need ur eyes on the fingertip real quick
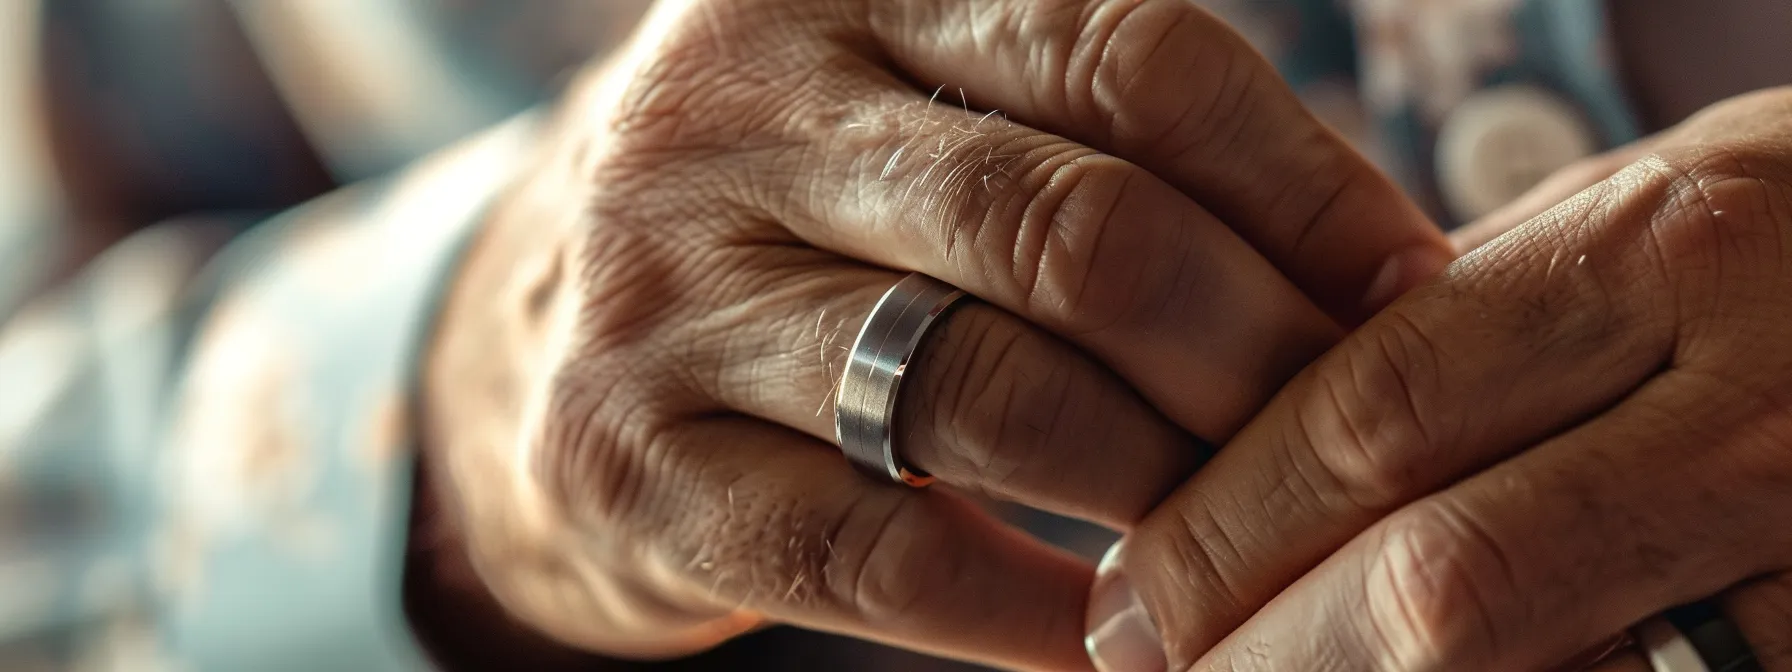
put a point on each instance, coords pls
(1122, 636)
(1404, 270)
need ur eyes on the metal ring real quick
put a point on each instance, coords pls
(1714, 636)
(1667, 648)
(865, 407)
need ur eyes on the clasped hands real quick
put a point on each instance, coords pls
(1192, 324)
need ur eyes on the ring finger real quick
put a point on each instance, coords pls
(989, 403)
(1082, 244)
(1205, 307)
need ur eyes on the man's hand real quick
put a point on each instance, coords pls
(1583, 423)
(629, 393)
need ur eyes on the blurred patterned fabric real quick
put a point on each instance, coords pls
(205, 430)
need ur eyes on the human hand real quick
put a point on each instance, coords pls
(629, 393)
(1581, 424)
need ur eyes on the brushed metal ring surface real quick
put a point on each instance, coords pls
(1667, 648)
(865, 408)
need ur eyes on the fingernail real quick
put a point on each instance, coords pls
(1121, 636)
(1402, 271)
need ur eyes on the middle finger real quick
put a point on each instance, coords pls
(1080, 243)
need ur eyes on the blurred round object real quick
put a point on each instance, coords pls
(1501, 142)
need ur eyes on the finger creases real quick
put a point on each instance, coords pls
(1087, 246)
(988, 402)
(845, 155)
(1453, 379)
(1551, 551)
(777, 524)
(1169, 86)
(1526, 338)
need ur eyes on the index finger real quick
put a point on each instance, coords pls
(1169, 86)
(1452, 379)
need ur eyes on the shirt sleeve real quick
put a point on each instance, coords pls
(205, 459)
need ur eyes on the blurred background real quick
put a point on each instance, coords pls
(207, 117)
(116, 114)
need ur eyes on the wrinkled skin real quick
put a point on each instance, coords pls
(628, 398)
(1582, 423)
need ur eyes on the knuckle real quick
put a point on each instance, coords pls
(1430, 587)
(1034, 213)
(1720, 204)
(960, 178)
(964, 182)
(1132, 63)
(1188, 46)
(1066, 241)
(1029, 211)
(1372, 432)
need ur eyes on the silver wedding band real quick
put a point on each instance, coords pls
(1667, 648)
(1695, 637)
(865, 408)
